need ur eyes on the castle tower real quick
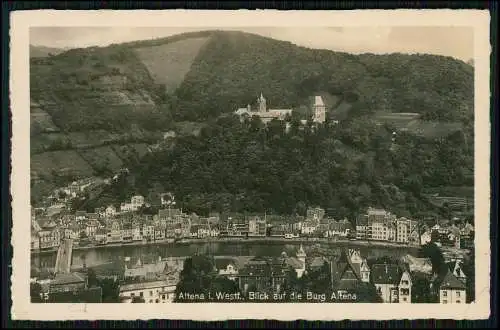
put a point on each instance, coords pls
(319, 110)
(262, 103)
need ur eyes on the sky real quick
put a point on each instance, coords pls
(454, 41)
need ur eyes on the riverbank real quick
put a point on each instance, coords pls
(267, 240)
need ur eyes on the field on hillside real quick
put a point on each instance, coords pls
(451, 191)
(169, 63)
(102, 158)
(60, 162)
(128, 151)
(41, 121)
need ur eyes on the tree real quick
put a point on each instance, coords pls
(300, 208)
(92, 278)
(195, 277)
(110, 290)
(432, 251)
(35, 292)
(420, 290)
(367, 293)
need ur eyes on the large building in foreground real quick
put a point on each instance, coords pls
(266, 114)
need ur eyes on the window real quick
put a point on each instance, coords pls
(132, 294)
(404, 282)
(458, 293)
(157, 300)
(404, 298)
(151, 292)
(163, 296)
(141, 294)
(150, 300)
(445, 293)
(445, 301)
(458, 301)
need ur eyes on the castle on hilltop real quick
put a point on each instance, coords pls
(266, 115)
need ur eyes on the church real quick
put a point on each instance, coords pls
(266, 115)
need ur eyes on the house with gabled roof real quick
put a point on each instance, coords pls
(344, 274)
(392, 283)
(456, 269)
(448, 289)
(227, 267)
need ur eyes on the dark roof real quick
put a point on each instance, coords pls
(222, 263)
(385, 274)
(342, 270)
(71, 278)
(92, 295)
(362, 220)
(449, 281)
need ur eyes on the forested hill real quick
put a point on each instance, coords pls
(94, 109)
(233, 68)
(344, 168)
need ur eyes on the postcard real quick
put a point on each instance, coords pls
(216, 165)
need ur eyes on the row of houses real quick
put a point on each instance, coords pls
(392, 282)
(381, 225)
(450, 236)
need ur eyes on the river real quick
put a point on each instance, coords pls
(102, 255)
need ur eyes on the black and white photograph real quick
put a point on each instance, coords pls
(178, 166)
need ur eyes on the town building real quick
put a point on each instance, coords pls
(405, 230)
(449, 289)
(68, 282)
(345, 275)
(263, 275)
(136, 202)
(80, 216)
(146, 269)
(50, 236)
(456, 269)
(338, 228)
(236, 227)
(257, 226)
(425, 238)
(393, 285)
(35, 241)
(91, 228)
(362, 227)
(101, 236)
(150, 292)
(227, 267)
(115, 235)
(72, 288)
(159, 233)
(110, 211)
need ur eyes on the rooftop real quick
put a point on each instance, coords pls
(450, 281)
(71, 278)
(147, 285)
(385, 274)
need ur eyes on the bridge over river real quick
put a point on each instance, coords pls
(64, 257)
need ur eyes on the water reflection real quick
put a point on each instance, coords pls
(103, 255)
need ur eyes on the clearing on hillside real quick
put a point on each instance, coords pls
(41, 121)
(67, 162)
(169, 63)
(102, 158)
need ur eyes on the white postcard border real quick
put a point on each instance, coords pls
(21, 21)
